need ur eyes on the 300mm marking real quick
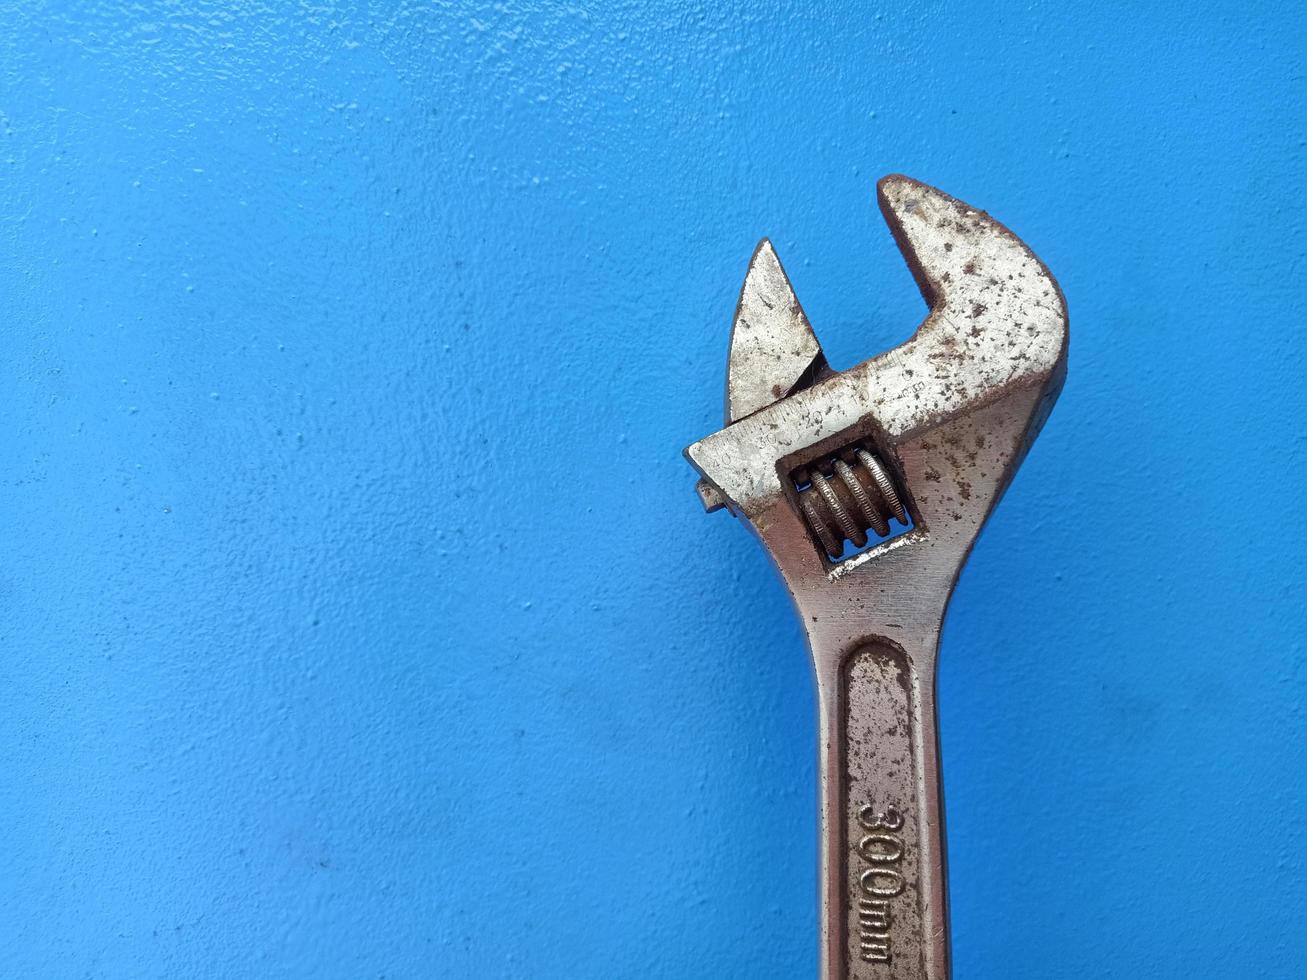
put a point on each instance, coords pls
(884, 933)
(881, 850)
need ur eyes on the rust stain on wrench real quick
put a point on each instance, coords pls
(822, 464)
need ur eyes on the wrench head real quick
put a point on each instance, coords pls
(951, 412)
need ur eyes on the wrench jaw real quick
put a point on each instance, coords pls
(952, 413)
(995, 337)
(773, 348)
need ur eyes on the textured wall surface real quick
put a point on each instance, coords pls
(359, 619)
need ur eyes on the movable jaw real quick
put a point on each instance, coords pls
(950, 413)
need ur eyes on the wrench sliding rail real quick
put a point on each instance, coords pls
(868, 488)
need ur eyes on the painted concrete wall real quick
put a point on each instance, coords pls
(359, 619)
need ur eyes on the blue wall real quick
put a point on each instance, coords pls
(359, 618)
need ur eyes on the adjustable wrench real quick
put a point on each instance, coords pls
(868, 488)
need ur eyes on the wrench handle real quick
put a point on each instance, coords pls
(885, 900)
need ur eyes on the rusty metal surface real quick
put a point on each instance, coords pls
(773, 347)
(950, 413)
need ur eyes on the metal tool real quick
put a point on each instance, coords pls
(868, 488)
